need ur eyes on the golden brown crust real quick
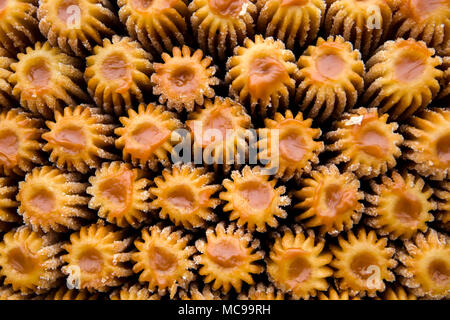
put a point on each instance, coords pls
(6, 59)
(262, 292)
(133, 292)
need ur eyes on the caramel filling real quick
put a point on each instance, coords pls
(22, 260)
(226, 7)
(118, 189)
(409, 68)
(408, 208)
(443, 149)
(39, 74)
(42, 201)
(265, 74)
(439, 271)
(292, 146)
(299, 269)
(69, 11)
(256, 194)
(338, 200)
(292, 3)
(361, 263)
(373, 142)
(182, 198)
(162, 259)
(226, 253)
(330, 66)
(90, 261)
(183, 78)
(148, 138)
(71, 139)
(9, 145)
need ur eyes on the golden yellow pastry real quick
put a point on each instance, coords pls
(400, 206)
(159, 25)
(442, 192)
(147, 137)
(29, 261)
(427, 142)
(398, 293)
(6, 60)
(220, 133)
(118, 73)
(163, 260)
(79, 138)
(295, 22)
(365, 142)
(332, 294)
(426, 20)
(70, 294)
(366, 24)
(227, 257)
(76, 26)
(96, 258)
(184, 79)
(53, 200)
(8, 203)
(330, 200)
(44, 80)
(20, 143)
(18, 24)
(206, 294)
(119, 194)
(289, 145)
(6, 293)
(330, 78)
(133, 292)
(221, 25)
(425, 265)
(297, 264)
(253, 200)
(185, 195)
(262, 292)
(261, 74)
(363, 263)
(402, 77)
